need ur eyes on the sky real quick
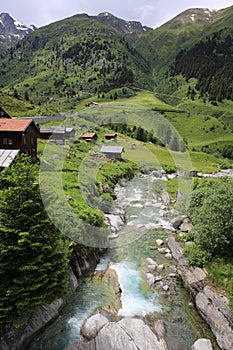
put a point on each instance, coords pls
(151, 13)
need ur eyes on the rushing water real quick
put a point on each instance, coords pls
(145, 222)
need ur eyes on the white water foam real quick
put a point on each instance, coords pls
(134, 302)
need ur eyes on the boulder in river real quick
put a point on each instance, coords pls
(166, 197)
(92, 326)
(129, 333)
(202, 344)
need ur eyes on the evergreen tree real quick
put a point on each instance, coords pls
(174, 143)
(33, 253)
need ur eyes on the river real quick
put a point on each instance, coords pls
(145, 222)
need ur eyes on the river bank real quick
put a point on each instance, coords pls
(139, 219)
(211, 305)
(19, 336)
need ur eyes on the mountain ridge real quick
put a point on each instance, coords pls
(12, 30)
(83, 55)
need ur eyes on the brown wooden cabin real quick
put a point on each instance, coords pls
(4, 114)
(19, 134)
(112, 152)
(110, 137)
(57, 134)
(90, 137)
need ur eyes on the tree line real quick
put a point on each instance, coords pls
(211, 63)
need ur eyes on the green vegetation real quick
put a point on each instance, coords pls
(34, 254)
(69, 61)
(209, 58)
(111, 173)
(172, 109)
(211, 213)
(18, 107)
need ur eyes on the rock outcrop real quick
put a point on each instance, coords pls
(210, 304)
(129, 333)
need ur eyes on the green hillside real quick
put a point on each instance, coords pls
(72, 59)
(18, 107)
(162, 45)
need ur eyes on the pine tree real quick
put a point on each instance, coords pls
(174, 143)
(33, 253)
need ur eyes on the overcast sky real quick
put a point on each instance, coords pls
(152, 13)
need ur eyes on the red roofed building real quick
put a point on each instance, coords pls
(90, 136)
(20, 134)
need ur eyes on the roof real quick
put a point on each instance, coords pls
(53, 129)
(15, 125)
(70, 129)
(112, 149)
(89, 134)
(6, 157)
(110, 135)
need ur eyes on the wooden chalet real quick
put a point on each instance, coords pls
(57, 134)
(112, 152)
(19, 134)
(90, 137)
(110, 137)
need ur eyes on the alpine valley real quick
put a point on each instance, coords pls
(166, 92)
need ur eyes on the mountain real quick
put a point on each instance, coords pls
(211, 63)
(12, 30)
(162, 45)
(73, 58)
(121, 26)
(83, 55)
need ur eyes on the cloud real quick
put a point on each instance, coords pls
(144, 12)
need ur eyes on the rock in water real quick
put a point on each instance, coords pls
(113, 337)
(166, 197)
(93, 325)
(141, 334)
(202, 344)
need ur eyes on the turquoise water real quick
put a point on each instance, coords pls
(145, 222)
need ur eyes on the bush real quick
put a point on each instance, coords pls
(196, 256)
(211, 213)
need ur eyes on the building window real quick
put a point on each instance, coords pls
(7, 141)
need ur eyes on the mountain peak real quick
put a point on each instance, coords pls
(120, 25)
(105, 14)
(12, 30)
(203, 15)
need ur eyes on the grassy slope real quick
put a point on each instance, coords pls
(69, 60)
(200, 128)
(19, 107)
